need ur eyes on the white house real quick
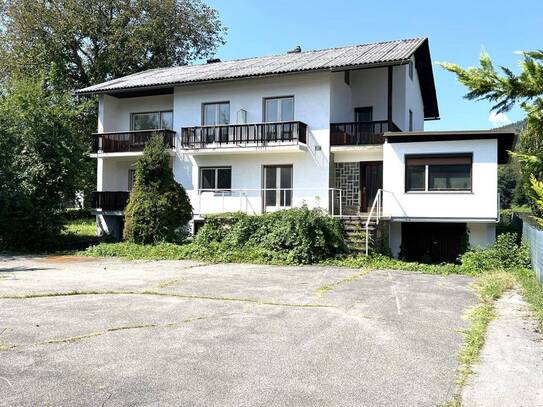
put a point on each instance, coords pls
(341, 129)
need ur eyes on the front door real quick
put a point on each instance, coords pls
(277, 191)
(371, 180)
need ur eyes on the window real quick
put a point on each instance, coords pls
(214, 114)
(410, 120)
(411, 69)
(363, 114)
(215, 178)
(443, 172)
(277, 186)
(152, 120)
(279, 109)
(131, 178)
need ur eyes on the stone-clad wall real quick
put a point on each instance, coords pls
(348, 180)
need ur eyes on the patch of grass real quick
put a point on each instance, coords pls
(532, 291)
(81, 227)
(168, 283)
(211, 253)
(378, 261)
(489, 287)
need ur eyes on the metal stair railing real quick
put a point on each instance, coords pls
(376, 209)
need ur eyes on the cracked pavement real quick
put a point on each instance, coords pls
(86, 331)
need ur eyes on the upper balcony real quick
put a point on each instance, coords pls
(248, 137)
(360, 133)
(127, 142)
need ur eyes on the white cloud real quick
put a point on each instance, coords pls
(499, 119)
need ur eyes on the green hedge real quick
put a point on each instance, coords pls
(299, 236)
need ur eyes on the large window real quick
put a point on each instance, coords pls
(152, 120)
(443, 172)
(279, 109)
(214, 114)
(215, 178)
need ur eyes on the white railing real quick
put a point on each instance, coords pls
(260, 200)
(377, 211)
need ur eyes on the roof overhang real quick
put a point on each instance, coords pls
(506, 140)
(128, 87)
(423, 63)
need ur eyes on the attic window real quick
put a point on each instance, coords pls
(411, 68)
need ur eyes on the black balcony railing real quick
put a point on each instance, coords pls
(359, 133)
(239, 135)
(129, 141)
(110, 200)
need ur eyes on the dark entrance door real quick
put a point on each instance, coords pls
(371, 180)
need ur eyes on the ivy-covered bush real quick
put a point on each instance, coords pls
(506, 253)
(158, 208)
(298, 235)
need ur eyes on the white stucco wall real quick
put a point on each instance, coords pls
(481, 234)
(413, 100)
(368, 87)
(478, 205)
(311, 106)
(114, 114)
(114, 173)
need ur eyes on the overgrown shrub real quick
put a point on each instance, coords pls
(158, 208)
(298, 235)
(505, 253)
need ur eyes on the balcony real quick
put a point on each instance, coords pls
(360, 133)
(110, 201)
(129, 141)
(244, 135)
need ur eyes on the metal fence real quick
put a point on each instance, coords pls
(533, 236)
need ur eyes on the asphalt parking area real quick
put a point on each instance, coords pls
(110, 332)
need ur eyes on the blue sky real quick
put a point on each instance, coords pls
(458, 31)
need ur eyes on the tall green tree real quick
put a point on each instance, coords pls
(158, 208)
(505, 89)
(89, 41)
(42, 162)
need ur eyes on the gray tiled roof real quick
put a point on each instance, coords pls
(327, 59)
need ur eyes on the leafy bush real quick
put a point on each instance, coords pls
(299, 236)
(158, 208)
(506, 253)
(43, 160)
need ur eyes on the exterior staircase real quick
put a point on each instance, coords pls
(355, 233)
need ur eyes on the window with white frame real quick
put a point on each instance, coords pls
(214, 114)
(152, 120)
(215, 178)
(279, 109)
(438, 172)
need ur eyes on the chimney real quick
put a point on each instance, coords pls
(213, 60)
(296, 50)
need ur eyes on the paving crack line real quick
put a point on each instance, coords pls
(319, 292)
(168, 294)
(77, 338)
